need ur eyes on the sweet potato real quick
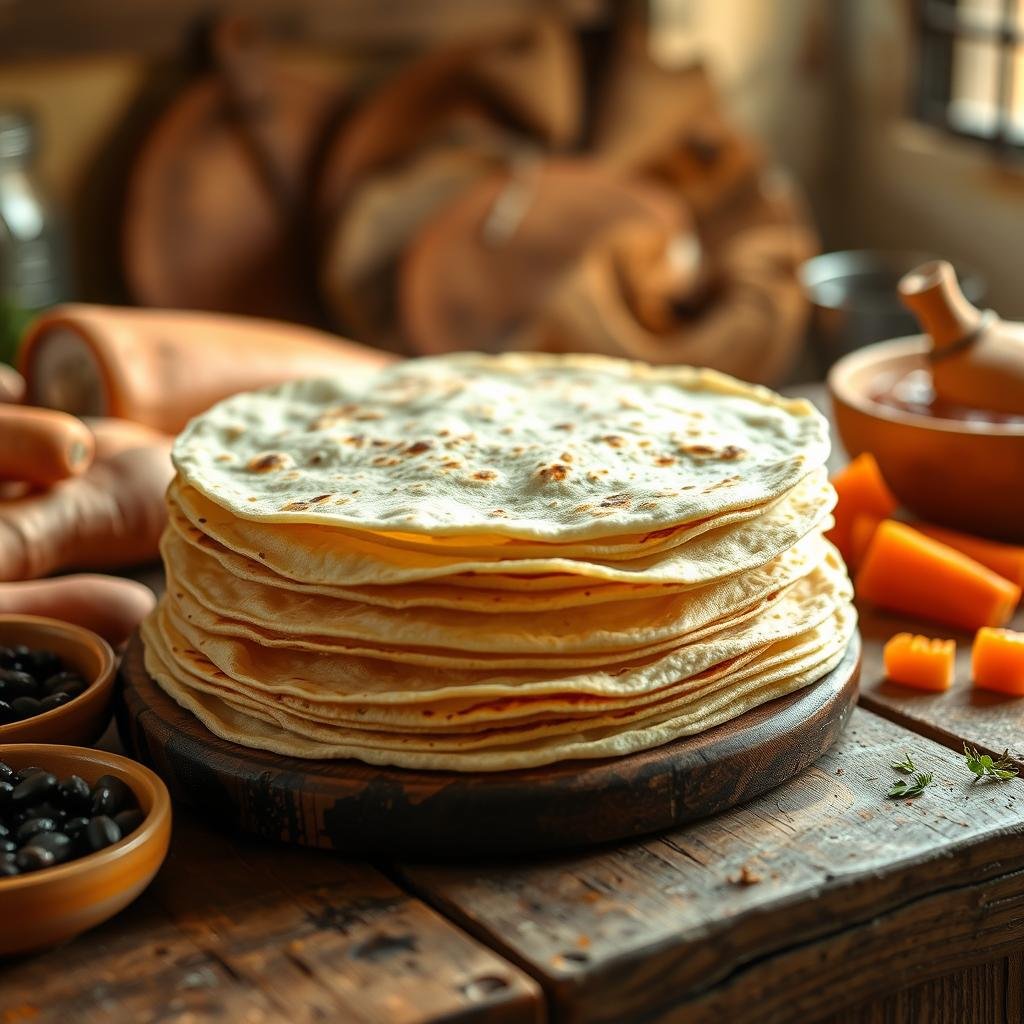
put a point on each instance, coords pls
(111, 516)
(919, 661)
(861, 491)
(1005, 559)
(161, 367)
(997, 661)
(108, 605)
(905, 571)
(40, 446)
(12, 384)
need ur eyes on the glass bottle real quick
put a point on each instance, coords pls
(33, 263)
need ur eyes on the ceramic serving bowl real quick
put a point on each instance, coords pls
(83, 719)
(966, 475)
(45, 907)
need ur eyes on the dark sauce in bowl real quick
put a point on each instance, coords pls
(912, 391)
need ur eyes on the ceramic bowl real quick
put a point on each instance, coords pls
(57, 903)
(83, 719)
(966, 475)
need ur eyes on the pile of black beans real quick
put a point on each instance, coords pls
(45, 820)
(34, 681)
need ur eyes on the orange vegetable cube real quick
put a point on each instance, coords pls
(905, 571)
(861, 534)
(919, 661)
(1005, 559)
(997, 661)
(861, 491)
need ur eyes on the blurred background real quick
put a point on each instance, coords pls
(736, 183)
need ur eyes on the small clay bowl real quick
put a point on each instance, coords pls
(83, 719)
(58, 903)
(966, 475)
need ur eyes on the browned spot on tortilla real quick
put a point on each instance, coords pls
(385, 460)
(485, 474)
(267, 462)
(419, 447)
(451, 464)
(554, 473)
(499, 513)
(614, 440)
(318, 499)
(616, 501)
(664, 460)
(562, 426)
(730, 451)
(295, 506)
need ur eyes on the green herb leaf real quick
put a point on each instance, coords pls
(908, 788)
(984, 766)
(906, 765)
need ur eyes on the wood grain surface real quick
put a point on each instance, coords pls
(352, 807)
(852, 896)
(240, 930)
(992, 722)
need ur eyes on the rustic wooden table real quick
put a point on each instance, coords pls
(821, 901)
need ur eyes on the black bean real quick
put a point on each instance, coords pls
(4, 831)
(76, 826)
(33, 826)
(21, 657)
(55, 700)
(110, 795)
(8, 865)
(100, 833)
(6, 772)
(56, 842)
(25, 707)
(74, 793)
(43, 664)
(61, 681)
(8, 846)
(6, 789)
(34, 788)
(7, 713)
(32, 858)
(128, 821)
(7, 657)
(48, 809)
(16, 684)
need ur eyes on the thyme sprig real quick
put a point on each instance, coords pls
(906, 765)
(984, 766)
(903, 789)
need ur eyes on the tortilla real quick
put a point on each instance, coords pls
(531, 446)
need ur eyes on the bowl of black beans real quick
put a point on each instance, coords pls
(82, 833)
(56, 681)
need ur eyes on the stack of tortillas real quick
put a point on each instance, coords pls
(482, 563)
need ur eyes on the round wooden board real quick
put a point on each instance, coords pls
(357, 808)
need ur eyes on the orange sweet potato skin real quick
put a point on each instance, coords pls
(107, 605)
(41, 446)
(111, 516)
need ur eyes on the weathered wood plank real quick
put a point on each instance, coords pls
(325, 938)
(652, 929)
(238, 930)
(990, 721)
(989, 993)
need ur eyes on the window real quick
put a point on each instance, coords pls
(971, 73)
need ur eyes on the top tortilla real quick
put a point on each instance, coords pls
(522, 445)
